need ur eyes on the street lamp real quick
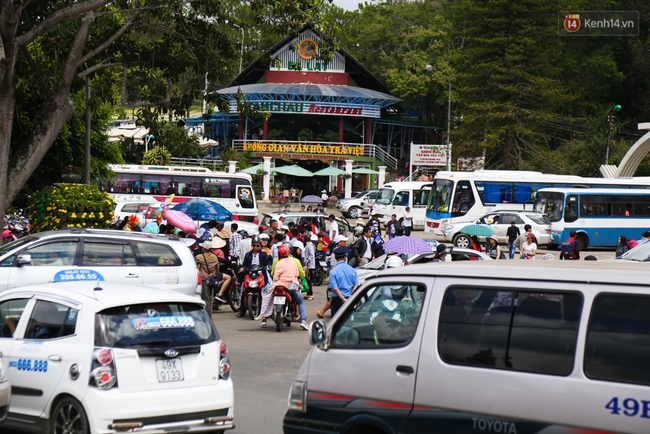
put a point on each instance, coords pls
(241, 50)
(431, 69)
(610, 120)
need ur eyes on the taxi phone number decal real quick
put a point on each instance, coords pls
(163, 322)
(29, 365)
(630, 407)
(77, 274)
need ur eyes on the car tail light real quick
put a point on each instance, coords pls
(198, 277)
(224, 363)
(548, 230)
(256, 220)
(102, 372)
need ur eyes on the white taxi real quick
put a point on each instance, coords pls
(99, 357)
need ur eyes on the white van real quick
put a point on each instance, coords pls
(546, 347)
(394, 197)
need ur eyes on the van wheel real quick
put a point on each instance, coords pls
(69, 417)
(353, 212)
(583, 242)
(462, 240)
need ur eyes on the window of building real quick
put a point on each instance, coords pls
(618, 339)
(510, 329)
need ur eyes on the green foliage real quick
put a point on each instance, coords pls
(158, 156)
(171, 135)
(70, 206)
(305, 134)
(330, 136)
(274, 134)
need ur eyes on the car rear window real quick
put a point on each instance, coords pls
(154, 324)
(156, 255)
(539, 219)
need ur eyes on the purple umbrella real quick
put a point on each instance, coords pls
(311, 199)
(404, 244)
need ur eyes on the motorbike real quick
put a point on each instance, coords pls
(232, 294)
(284, 308)
(254, 282)
(322, 268)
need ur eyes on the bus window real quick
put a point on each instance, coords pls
(151, 184)
(188, 186)
(245, 196)
(463, 199)
(440, 196)
(593, 206)
(495, 192)
(402, 198)
(571, 210)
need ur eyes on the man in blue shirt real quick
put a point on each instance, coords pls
(343, 279)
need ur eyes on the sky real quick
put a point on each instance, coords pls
(348, 5)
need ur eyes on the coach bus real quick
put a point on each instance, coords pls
(598, 215)
(466, 196)
(140, 183)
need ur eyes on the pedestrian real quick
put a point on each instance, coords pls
(408, 221)
(343, 280)
(309, 255)
(235, 239)
(511, 236)
(569, 248)
(645, 237)
(319, 208)
(521, 240)
(476, 245)
(622, 246)
(208, 266)
(493, 249)
(529, 250)
(324, 197)
(391, 228)
(340, 241)
(334, 227)
(363, 248)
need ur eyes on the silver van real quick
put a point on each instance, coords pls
(476, 347)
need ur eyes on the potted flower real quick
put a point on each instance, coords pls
(332, 200)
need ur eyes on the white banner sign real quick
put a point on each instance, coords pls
(428, 155)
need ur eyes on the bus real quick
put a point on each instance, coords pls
(394, 197)
(598, 215)
(141, 183)
(466, 196)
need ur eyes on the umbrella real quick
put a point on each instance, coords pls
(294, 170)
(478, 230)
(311, 199)
(253, 169)
(180, 220)
(203, 209)
(365, 170)
(404, 244)
(330, 171)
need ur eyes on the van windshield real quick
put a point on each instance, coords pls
(385, 196)
(154, 324)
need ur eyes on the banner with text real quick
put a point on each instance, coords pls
(428, 155)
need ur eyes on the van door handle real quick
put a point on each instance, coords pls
(55, 358)
(132, 276)
(404, 369)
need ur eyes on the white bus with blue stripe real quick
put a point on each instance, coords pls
(466, 196)
(598, 215)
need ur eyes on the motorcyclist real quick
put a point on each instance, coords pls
(256, 257)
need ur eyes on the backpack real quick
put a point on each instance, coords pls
(568, 249)
(399, 225)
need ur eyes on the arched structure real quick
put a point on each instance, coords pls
(633, 158)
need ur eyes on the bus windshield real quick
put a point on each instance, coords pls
(550, 203)
(440, 196)
(385, 196)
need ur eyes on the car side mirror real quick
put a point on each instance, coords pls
(317, 332)
(25, 259)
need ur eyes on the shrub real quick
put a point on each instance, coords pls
(70, 206)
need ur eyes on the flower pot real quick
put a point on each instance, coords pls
(70, 177)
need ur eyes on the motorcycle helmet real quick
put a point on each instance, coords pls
(265, 237)
(256, 240)
(393, 262)
(282, 251)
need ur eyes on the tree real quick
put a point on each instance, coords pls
(66, 41)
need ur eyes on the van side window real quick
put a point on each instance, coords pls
(156, 255)
(107, 254)
(386, 316)
(617, 339)
(510, 329)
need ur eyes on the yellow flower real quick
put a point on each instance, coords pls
(108, 222)
(101, 215)
(70, 225)
(83, 216)
(63, 210)
(73, 216)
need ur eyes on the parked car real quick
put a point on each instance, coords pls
(358, 205)
(499, 222)
(110, 357)
(5, 388)
(457, 254)
(126, 257)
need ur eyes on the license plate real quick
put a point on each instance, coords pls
(279, 300)
(323, 264)
(169, 370)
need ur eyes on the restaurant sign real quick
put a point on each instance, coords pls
(293, 107)
(296, 149)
